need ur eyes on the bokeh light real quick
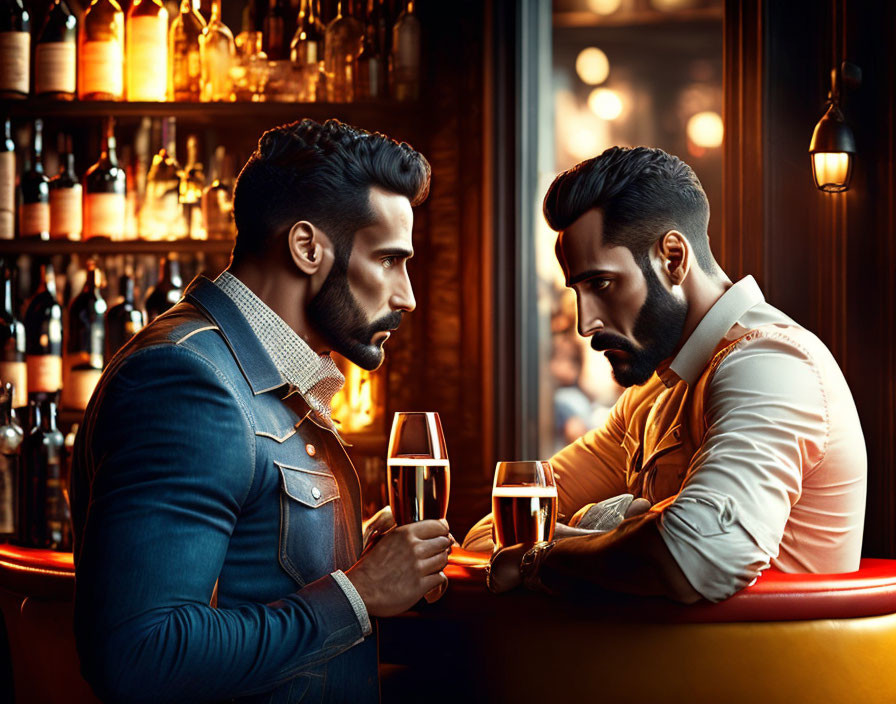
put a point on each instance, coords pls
(593, 66)
(604, 7)
(582, 143)
(606, 103)
(705, 129)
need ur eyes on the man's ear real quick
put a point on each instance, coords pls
(306, 247)
(674, 251)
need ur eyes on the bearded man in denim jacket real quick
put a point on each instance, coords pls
(216, 513)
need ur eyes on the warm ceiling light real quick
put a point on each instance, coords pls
(832, 171)
(705, 129)
(604, 7)
(605, 103)
(592, 65)
(833, 146)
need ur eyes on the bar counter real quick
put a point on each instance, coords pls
(785, 638)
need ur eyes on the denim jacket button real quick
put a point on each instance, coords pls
(311, 450)
(315, 492)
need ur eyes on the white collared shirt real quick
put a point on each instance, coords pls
(780, 477)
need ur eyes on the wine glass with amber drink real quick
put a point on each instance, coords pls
(524, 503)
(418, 469)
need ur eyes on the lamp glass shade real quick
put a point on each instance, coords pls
(832, 170)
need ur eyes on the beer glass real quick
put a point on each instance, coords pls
(418, 469)
(524, 503)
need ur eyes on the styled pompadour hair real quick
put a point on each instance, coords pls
(321, 173)
(643, 194)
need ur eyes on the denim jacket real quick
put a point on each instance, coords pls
(191, 470)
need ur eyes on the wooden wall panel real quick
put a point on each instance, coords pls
(739, 250)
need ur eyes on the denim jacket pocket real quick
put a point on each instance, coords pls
(307, 522)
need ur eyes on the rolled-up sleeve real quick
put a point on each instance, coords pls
(767, 424)
(593, 467)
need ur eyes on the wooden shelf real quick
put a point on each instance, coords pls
(52, 247)
(374, 115)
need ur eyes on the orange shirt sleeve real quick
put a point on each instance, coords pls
(593, 467)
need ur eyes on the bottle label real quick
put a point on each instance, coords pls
(101, 67)
(35, 219)
(7, 195)
(104, 215)
(16, 373)
(147, 61)
(44, 373)
(79, 387)
(54, 67)
(8, 471)
(15, 53)
(65, 212)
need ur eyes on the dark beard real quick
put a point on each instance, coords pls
(335, 314)
(657, 329)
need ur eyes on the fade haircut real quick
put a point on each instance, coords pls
(643, 193)
(322, 174)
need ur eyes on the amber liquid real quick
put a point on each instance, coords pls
(524, 514)
(418, 488)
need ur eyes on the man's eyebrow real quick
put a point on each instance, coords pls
(590, 274)
(394, 252)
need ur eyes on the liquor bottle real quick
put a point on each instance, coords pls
(217, 199)
(307, 50)
(84, 347)
(7, 183)
(45, 521)
(11, 437)
(250, 29)
(65, 195)
(167, 290)
(105, 191)
(147, 51)
(342, 44)
(101, 52)
(274, 41)
(183, 41)
(15, 49)
(404, 61)
(13, 369)
(382, 24)
(216, 50)
(43, 339)
(162, 217)
(34, 220)
(123, 320)
(192, 183)
(54, 56)
(370, 78)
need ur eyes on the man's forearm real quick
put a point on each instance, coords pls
(632, 559)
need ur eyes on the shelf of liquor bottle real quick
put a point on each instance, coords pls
(103, 247)
(390, 114)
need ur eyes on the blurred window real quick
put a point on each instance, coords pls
(628, 73)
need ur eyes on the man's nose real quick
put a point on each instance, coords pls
(403, 297)
(590, 320)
